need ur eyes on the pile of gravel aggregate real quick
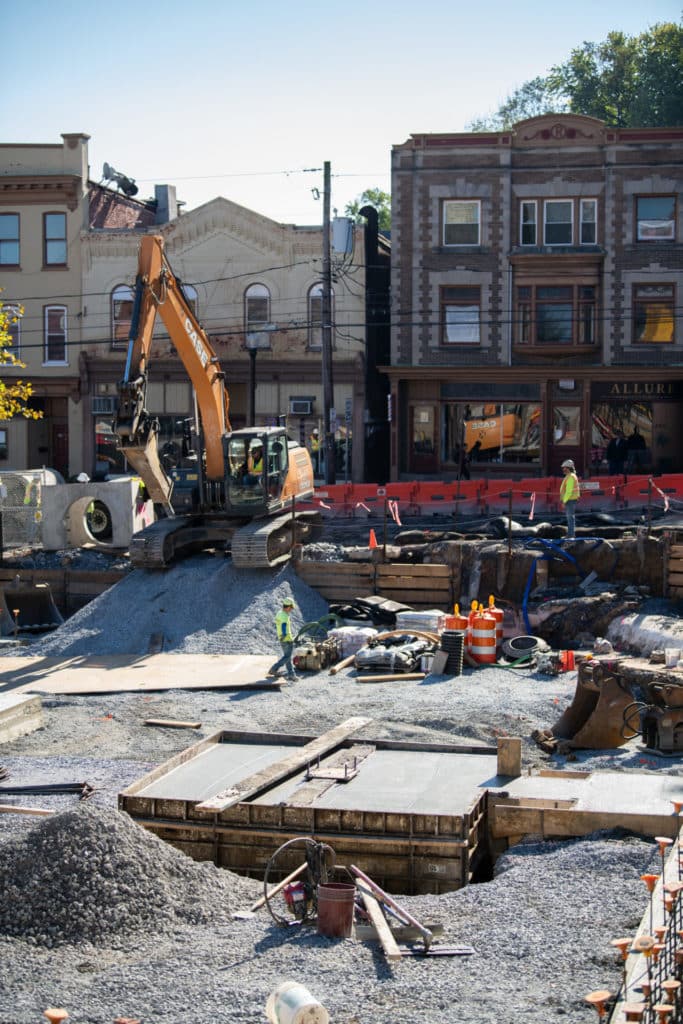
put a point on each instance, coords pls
(91, 873)
(201, 605)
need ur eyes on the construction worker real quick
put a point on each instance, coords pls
(314, 445)
(284, 635)
(254, 473)
(570, 492)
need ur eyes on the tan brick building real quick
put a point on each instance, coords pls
(43, 211)
(537, 279)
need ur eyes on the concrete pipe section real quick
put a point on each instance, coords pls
(102, 515)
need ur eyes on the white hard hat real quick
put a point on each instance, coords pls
(568, 464)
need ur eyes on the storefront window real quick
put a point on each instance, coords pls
(480, 432)
(423, 430)
(630, 420)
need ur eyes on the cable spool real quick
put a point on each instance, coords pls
(498, 615)
(453, 642)
(483, 642)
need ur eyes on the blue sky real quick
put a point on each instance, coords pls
(237, 98)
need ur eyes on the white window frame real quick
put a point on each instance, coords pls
(448, 203)
(588, 204)
(532, 204)
(465, 327)
(54, 362)
(14, 328)
(556, 202)
(121, 293)
(256, 292)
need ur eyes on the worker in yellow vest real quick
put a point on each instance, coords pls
(284, 635)
(314, 445)
(570, 492)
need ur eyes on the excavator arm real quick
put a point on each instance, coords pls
(157, 292)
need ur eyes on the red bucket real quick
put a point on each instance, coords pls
(336, 901)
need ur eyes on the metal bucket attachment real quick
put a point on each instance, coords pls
(595, 718)
(28, 608)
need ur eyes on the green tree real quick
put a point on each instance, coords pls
(625, 81)
(530, 100)
(372, 197)
(14, 394)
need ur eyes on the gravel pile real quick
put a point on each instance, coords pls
(91, 874)
(202, 605)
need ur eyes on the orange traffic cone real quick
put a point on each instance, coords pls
(372, 542)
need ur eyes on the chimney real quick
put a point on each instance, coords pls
(167, 204)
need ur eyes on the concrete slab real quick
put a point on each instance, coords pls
(214, 770)
(19, 714)
(128, 673)
(609, 792)
(404, 781)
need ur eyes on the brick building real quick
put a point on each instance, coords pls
(537, 276)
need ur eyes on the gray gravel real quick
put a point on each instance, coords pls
(540, 929)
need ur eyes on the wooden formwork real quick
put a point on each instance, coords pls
(71, 589)
(421, 585)
(404, 851)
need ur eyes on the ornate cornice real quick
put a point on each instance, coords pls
(62, 190)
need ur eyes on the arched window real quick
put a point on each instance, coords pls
(315, 316)
(121, 313)
(191, 297)
(256, 307)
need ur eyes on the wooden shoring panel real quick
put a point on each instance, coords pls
(506, 821)
(422, 570)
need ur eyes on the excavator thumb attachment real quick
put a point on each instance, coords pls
(595, 718)
(28, 608)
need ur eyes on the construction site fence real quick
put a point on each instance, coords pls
(529, 496)
(21, 514)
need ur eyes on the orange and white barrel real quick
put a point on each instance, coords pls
(483, 638)
(456, 620)
(498, 615)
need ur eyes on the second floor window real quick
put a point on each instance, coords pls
(653, 313)
(460, 316)
(54, 240)
(13, 327)
(256, 307)
(9, 239)
(555, 315)
(121, 313)
(655, 218)
(461, 221)
(315, 316)
(54, 350)
(560, 220)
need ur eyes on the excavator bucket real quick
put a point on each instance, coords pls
(28, 608)
(595, 718)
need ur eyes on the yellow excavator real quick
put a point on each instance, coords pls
(248, 481)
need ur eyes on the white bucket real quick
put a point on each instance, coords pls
(426, 661)
(671, 656)
(292, 1003)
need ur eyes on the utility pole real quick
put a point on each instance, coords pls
(328, 388)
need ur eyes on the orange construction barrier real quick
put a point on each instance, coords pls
(372, 542)
(483, 633)
(498, 614)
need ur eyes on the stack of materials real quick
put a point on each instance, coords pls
(453, 642)
(429, 621)
(351, 638)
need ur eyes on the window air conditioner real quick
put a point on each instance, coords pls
(301, 406)
(103, 404)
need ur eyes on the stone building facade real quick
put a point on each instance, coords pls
(536, 287)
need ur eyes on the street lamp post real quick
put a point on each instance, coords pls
(254, 340)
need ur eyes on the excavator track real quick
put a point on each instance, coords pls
(158, 545)
(268, 542)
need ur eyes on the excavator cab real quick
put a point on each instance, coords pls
(256, 469)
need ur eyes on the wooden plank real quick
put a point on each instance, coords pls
(254, 784)
(549, 822)
(676, 551)
(275, 889)
(311, 569)
(402, 933)
(429, 570)
(675, 579)
(391, 678)
(344, 663)
(16, 809)
(384, 933)
(172, 723)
